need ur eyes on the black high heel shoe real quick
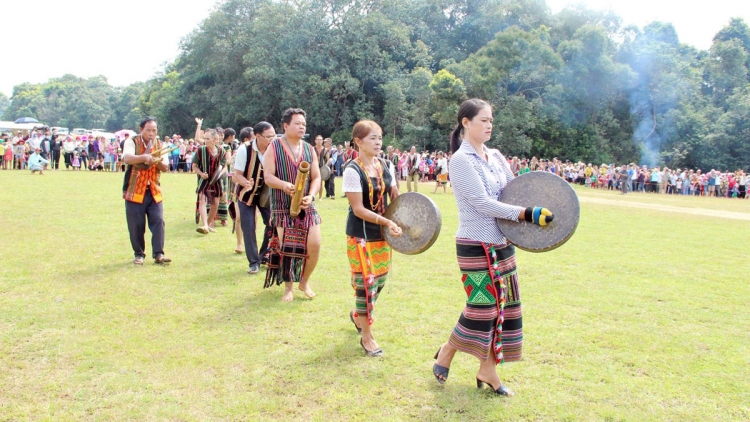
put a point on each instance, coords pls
(500, 391)
(440, 371)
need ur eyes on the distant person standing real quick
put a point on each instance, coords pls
(330, 184)
(56, 146)
(142, 192)
(69, 148)
(413, 169)
(349, 154)
(441, 172)
(339, 159)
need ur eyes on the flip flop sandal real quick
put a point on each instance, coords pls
(202, 230)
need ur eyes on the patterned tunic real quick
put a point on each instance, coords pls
(286, 170)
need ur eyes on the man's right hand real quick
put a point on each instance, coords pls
(150, 160)
(289, 189)
(249, 183)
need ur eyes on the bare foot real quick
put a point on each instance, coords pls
(288, 296)
(305, 287)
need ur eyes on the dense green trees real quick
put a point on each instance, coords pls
(575, 85)
(71, 102)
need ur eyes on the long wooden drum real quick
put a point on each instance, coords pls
(541, 189)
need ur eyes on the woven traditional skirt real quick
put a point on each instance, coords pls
(486, 324)
(370, 263)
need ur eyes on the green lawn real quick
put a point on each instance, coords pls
(642, 315)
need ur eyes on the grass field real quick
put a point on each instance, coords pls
(642, 315)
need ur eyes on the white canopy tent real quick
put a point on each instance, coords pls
(13, 127)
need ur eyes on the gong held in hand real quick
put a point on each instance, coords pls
(541, 189)
(419, 219)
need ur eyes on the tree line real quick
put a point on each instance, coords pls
(575, 85)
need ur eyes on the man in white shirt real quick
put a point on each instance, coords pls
(250, 185)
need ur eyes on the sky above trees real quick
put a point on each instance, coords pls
(130, 41)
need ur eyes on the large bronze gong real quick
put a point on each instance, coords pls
(419, 219)
(541, 189)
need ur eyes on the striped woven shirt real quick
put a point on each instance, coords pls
(477, 185)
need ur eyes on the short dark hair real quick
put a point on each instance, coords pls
(146, 120)
(229, 132)
(262, 127)
(290, 112)
(246, 133)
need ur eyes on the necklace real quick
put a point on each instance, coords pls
(381, 183)
(295, 159)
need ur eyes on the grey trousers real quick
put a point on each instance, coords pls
(247, 221)
(136, 217)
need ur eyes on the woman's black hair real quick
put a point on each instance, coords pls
(229, 132)
(469, 109)
(146, 120)
(262, 127)
(246, 133)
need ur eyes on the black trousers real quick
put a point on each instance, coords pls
(55, 159)
(135, 215)
(330, 186)
(247, 222)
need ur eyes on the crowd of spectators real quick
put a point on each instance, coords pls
(99, 154)
(83, 152)
(633, 178)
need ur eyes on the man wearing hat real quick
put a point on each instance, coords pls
(37, 162)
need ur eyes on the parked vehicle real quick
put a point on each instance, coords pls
(79, 131)
(60, 130)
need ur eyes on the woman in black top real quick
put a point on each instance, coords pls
(369, 183)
